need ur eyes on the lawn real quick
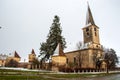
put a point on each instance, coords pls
(6, 74)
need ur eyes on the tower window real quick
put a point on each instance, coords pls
(87, 34)
(94, 29)
(97, 46)
(95, 34)
(87, 29)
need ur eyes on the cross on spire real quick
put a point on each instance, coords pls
(89, 17)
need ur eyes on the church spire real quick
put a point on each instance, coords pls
(33, 52)
(89, 17)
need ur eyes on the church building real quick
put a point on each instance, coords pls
(90, 52)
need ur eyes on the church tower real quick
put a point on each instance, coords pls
(91, 31)
(91, 51)
(32, 56)
(92, 48)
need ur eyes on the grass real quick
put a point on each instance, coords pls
(31, 75)
(22, 77)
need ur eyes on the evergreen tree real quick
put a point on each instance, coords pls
(54, 37)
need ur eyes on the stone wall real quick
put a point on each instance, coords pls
(58, 61)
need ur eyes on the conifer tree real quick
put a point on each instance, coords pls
(54, 37)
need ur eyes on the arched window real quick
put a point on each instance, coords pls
(74, 59)
(67, 60)
(95, 34)
(94, 29)
(88, 34)
(87, 29)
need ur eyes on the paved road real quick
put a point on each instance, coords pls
(110, 77)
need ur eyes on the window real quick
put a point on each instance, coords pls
(74, 59)
(87, 29)
(88, 34)
(95, 34)
(67, 60)
(94, 29)
(97, 46)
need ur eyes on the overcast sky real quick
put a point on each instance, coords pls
(26, 23)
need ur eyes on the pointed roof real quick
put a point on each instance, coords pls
(89, 17)
(59, 51)
(16, 55)
(33, 52)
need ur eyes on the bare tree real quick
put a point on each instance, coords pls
(79, 45)
(79, 57)
(111, 58)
